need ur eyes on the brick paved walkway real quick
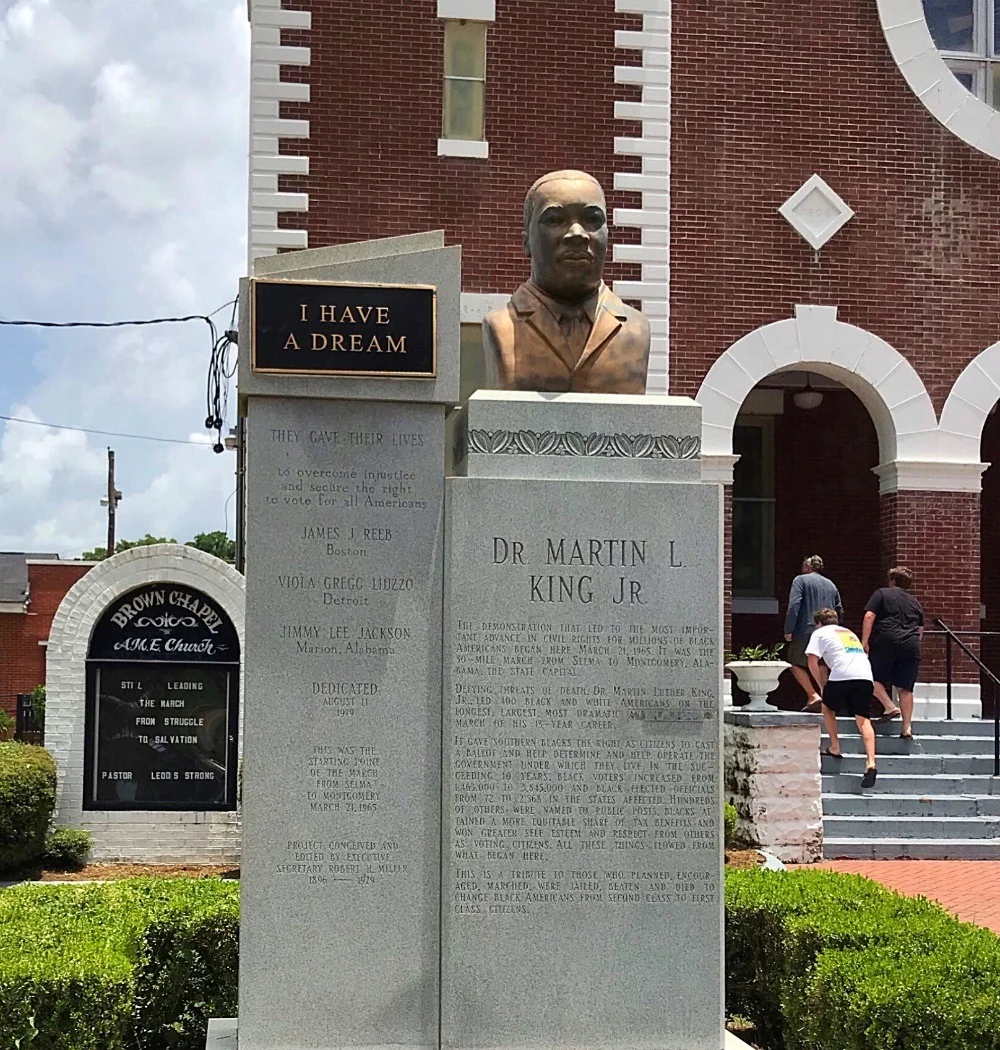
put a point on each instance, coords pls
(969, 889)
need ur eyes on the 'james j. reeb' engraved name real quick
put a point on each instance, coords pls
(353, 343)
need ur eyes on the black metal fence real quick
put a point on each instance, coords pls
(28, 729)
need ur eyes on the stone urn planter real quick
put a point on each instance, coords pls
(758, 678)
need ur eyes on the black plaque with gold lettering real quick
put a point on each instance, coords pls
(162, 703)
(322, 328)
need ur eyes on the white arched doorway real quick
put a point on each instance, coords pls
(929, 477)
(883, 380)
(805, 473)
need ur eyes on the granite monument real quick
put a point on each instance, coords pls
(348, 358)
(483, 762)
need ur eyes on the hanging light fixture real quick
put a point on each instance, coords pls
(808, 398)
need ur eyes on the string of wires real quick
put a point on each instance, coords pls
(220, 369)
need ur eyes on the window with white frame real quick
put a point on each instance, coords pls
(464, 115)
(753, 507)
(967, 34)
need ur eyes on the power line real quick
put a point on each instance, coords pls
(107, 433)
(207, 318)
(231, 302)
(220, 371)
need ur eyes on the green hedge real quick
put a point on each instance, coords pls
(27, 799)
(730, 819)
(188, 962)
(66, 848)
(817, 960)
(141, 963)
(824, 961)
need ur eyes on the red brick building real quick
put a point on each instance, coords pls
(31, 588)
(878, 292)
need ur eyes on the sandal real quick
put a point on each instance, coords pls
(813, 707)
(888, 716)
(831, 754)
(905, 736)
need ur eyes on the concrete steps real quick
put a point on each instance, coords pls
(867, 827)
(935, 796)
(912, 849)
(901, 806)
(895, 784)
(911, 765)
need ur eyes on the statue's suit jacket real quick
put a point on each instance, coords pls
(526, 350)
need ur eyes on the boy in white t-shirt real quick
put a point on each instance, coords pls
(848, 689)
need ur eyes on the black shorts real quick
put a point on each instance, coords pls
(892, 668)
(851, 697)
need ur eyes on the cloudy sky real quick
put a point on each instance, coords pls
(123, 141)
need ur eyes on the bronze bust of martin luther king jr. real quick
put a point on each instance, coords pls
(565, 330)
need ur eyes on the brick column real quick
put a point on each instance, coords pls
(936, 534)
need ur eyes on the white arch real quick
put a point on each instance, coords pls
(882, 378)
(965, 412)
(159, 835)
(909, 38)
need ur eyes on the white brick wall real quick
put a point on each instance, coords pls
(653, 146)
(150, 838)
(773, 779)
(267, 91)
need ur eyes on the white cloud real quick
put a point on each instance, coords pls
(124, 176)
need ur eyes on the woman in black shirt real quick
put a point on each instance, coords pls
(891, 633)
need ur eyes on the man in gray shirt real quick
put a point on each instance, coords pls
(810, 591)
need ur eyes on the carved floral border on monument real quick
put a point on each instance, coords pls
(571, 443)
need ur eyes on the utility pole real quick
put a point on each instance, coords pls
(237, 441)
(111, 502)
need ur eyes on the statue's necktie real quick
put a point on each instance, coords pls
(575, 329)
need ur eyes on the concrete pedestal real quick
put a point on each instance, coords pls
(582, 867)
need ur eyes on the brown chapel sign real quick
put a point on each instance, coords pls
(323, 328)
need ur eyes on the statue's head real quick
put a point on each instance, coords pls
(566, 234)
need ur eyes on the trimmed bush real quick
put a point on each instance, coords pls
(188, 961)
(66, 848)
(27, 799)
(730, 818)
(65, 980)
(946, 999)
(138, 964)
(817, 961)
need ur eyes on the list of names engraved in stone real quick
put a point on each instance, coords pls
(352, 513)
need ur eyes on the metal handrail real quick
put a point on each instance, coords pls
(953, 636)
(958, 634)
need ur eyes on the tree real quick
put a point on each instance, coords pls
(217, 543)
(100, 553)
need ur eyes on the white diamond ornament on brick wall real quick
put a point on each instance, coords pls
(816, 212)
